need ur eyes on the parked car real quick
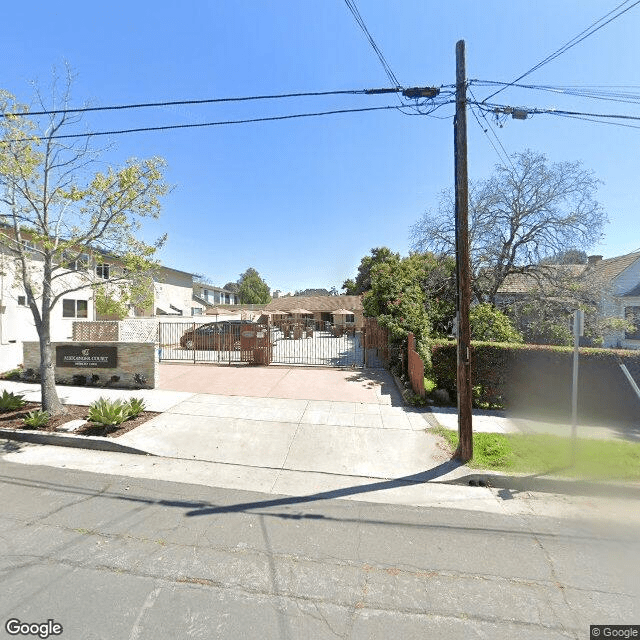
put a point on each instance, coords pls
(223, 336)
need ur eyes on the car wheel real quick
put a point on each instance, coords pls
(189, 344)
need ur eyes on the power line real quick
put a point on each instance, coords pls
(597, 92)
(615, 124)
(174, 103)
(383, 61)
(589, 31)
(508, 110)
(495, 135)
(208, 124)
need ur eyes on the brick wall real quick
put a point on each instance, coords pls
(134, 359)
(416, 367)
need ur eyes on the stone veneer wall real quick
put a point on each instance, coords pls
(134, 358)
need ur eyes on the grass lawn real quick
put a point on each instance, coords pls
(543, 453)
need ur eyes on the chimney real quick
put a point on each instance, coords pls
(593, 259)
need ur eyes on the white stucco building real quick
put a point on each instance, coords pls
(172, 295)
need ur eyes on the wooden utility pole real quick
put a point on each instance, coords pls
(463, 298)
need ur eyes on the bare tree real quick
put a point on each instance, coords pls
(56, 214)
(528, 211)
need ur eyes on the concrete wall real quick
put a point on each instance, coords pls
(10, 356)
(134, 358)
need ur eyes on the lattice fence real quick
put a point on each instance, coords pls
(95, 331)
(138, 330)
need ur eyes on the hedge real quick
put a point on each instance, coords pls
(538, 378)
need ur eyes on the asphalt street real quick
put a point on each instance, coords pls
(114, 557)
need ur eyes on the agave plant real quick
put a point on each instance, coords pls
(10, 401)
(37, 418)
(136, 407)
(108, 412)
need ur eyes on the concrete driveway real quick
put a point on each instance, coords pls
(371, 386)
(272, 424)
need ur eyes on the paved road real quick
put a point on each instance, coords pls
(112, 557)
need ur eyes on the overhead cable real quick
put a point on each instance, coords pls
(206, 101)
(383, 61)
(489, 127)
(589, 31)
(506, 109)
(210, 124)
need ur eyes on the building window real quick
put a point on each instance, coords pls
(350, 318)
(102, 270)
(196, 311)
(633, 314)
(74, 308)
(22, 301)
(81, 263)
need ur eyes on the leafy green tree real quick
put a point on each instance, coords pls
(362, 282)
(232, 287)
(56, 213)
(397, 299)
(492, 325)
(252, 288)
(437, 279)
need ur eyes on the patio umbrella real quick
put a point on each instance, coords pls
(217, 311)
(342, 312)
(270, 314)
(300, 312)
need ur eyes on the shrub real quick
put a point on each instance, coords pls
(489, 324)
(108, 412)
(525, 377)
(10, 401)
(429, 385)
(140, 379)
(37, 418)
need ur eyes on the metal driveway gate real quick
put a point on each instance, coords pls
(283, 342)
(215, 342)
(316, 343)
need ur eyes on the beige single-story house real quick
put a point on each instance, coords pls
(322, 308)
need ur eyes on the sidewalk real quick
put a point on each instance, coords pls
(367, 451)
(272, 445)
(500, 422)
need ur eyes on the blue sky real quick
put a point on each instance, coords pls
(303, 200)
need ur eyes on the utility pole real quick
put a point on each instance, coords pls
(463, 279)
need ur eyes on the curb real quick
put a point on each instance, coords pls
(540, 484)
(95, 443)
(401, 388)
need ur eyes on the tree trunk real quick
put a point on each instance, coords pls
(50, 401)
